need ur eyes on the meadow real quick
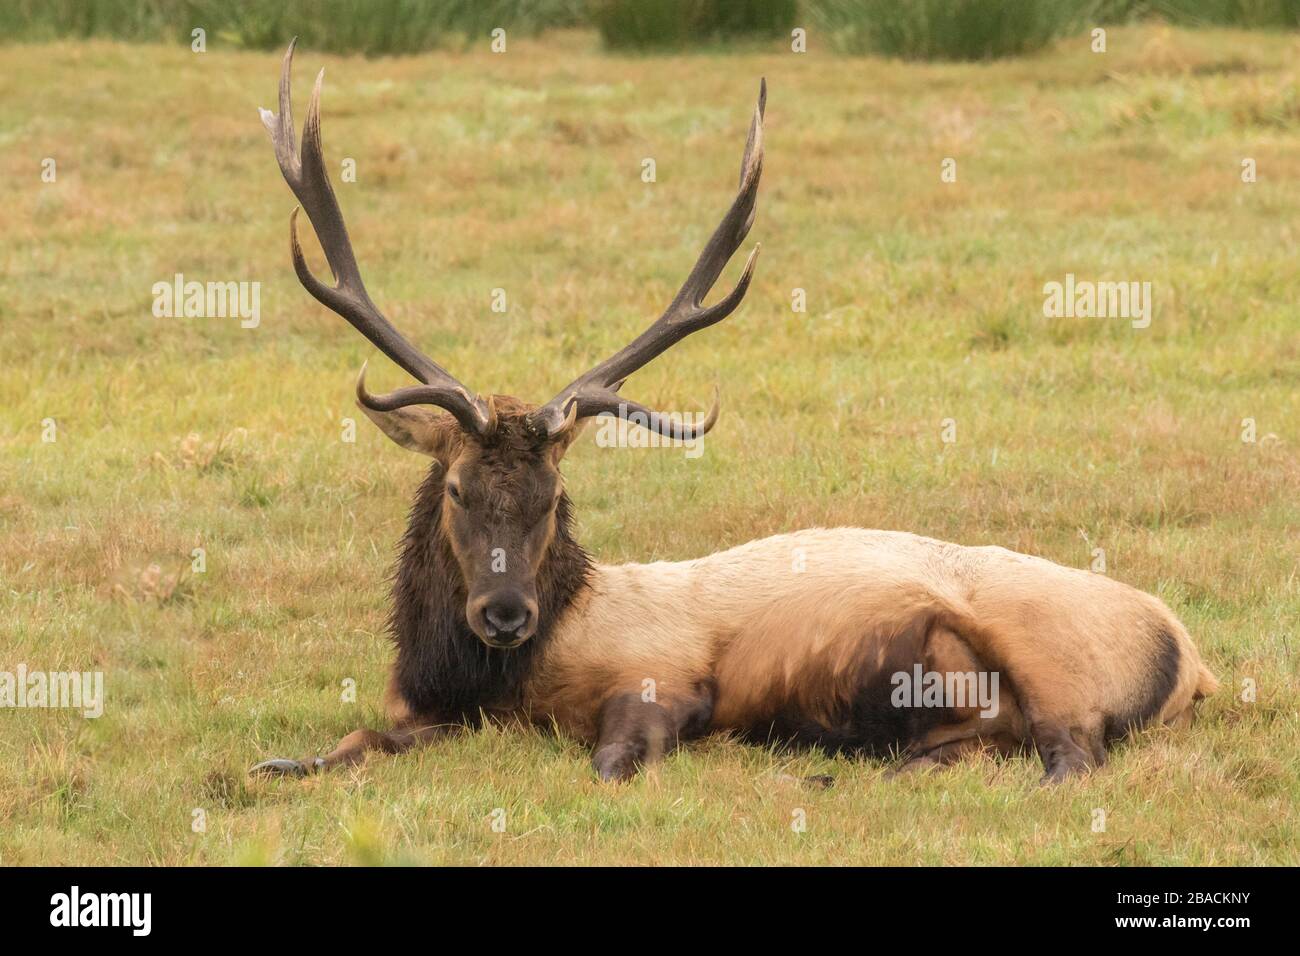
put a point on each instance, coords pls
(922, 389)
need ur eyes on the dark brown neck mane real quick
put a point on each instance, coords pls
(444, 671)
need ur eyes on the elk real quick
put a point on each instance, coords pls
(499, 614)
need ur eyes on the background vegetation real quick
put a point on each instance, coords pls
(477, 171)
(675, 24)
(371, 27)
(951, 29)
(914, 29)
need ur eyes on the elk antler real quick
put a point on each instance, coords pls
(307, 178)
(596, 391)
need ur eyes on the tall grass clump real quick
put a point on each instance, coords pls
(949, 29)
(1249, 14)
(676, 24)
(41, 20)
(372, 27)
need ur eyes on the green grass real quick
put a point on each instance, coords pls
(678, 24)
(478, 171)
(1257, 14)
(951, 29)
(911, 29)
(340, 26)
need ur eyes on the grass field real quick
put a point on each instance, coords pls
(523, 172)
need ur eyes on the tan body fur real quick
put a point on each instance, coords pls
(792, 620)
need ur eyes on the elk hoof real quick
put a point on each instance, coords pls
(912, 765)
(616, 762)
(1064, 765)
(1061, 772)
(285, 768)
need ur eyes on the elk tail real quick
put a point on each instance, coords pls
(1206, 684)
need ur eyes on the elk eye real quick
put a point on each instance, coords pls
(453, 492)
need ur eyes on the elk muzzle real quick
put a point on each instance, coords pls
(502, 618)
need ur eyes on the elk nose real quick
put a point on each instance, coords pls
(506, 615)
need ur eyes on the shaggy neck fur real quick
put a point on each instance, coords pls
(443, 670)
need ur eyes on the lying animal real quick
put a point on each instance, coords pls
(800, 637)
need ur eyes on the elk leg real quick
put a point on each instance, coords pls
(1001, 744)
(1062, 757)
(353, 749)
(636, 733)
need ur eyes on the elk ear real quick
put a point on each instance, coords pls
(419, 428)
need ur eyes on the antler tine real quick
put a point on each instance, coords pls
(305, 173)
(596, 391)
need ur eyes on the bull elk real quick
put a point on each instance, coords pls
(498, 613)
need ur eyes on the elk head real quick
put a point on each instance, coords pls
(499, 457)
